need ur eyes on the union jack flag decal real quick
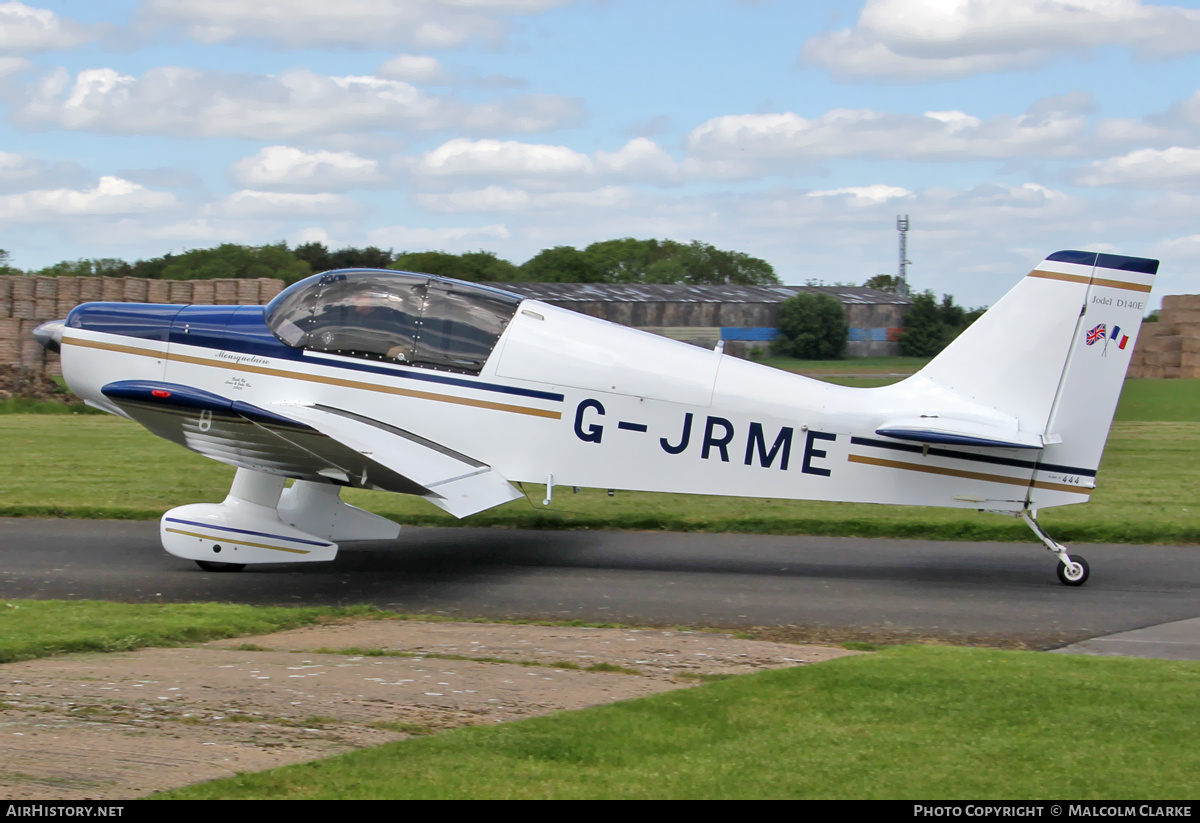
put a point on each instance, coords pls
(1096, 334)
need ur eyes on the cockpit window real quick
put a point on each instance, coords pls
(406, 318)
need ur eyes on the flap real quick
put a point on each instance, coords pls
(453, 481)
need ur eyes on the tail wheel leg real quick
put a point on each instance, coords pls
(1073, 570)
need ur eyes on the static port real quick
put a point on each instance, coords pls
(217, 548)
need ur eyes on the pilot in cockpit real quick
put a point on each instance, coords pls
(372, 325)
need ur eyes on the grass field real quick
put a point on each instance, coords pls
(100, 466)
(905, 723)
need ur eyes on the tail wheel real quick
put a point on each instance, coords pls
(1076, 574)
(211, 566)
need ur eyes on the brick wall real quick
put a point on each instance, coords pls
(1170, 347)
(26, 302)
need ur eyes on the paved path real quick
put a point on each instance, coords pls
(832, 587)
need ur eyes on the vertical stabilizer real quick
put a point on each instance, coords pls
(1053, 353)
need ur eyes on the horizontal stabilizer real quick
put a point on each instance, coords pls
(930, 429)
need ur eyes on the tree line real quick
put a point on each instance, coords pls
(812, 326)
(626, 260)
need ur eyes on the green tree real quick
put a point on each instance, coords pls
(812, 327)
(889, 283)
(929, 326)
(924, 332)
(476, 266)
(628, 260)
(561, 264)
(368, 258)
(230, 260)
(316, 255)
(708, 265)
(6, 266)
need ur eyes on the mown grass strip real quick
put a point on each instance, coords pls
(42, 628)
(907, 722)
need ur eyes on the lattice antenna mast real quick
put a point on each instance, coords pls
(902, 227)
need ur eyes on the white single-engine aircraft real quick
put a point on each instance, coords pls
(454, 391)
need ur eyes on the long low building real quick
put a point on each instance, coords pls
(744, 317)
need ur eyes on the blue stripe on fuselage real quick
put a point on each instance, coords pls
(241, 329)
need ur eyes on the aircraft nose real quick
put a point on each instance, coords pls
(50, 335)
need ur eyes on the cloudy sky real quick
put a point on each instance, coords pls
(796, 132)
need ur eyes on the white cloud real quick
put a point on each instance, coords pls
(449, 239)
(19, 173)
(110, 196)
(740, 145)
(490, 199)
(865, 195)
(359, 23)
(462, 157)
(640, 158)
(24, 30)
(412, 68)
(1173, 168)
(184, 102)
(544, 166)
(286, 167)
(250, 203)
(497, 199)
(914, 40)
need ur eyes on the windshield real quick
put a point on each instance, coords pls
(401, 317)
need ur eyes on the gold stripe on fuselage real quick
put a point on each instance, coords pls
(237, 541)
(314, 378)
(989, 478)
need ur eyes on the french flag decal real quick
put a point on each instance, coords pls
(1116, 335)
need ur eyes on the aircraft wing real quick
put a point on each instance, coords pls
(312, 442)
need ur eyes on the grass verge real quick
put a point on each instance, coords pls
(906, 723)
(42, 628)
(104, 467)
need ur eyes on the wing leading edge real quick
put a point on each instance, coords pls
(312, 442)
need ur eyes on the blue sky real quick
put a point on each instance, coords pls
(796, 132)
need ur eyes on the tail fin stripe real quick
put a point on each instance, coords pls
(1097, 281)
(1055, 275)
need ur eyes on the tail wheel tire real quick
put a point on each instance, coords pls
(1075, 576)
(212, 566)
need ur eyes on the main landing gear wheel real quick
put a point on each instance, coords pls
(212, 566)
(1076, 574)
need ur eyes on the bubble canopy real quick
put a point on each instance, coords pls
(401, 317)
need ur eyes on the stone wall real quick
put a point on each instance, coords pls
(27, 302)
(1170, 347)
